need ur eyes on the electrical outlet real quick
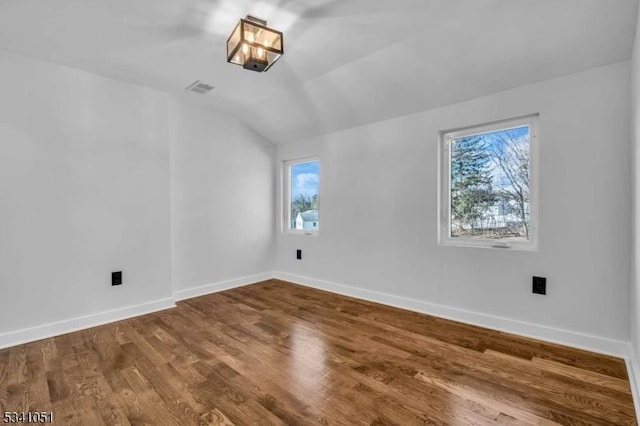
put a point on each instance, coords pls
(298, 254)
(116, 278)
(539, 285)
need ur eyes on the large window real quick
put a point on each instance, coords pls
(488, 193)
(302, 202)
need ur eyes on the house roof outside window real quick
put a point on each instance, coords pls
(310, 216)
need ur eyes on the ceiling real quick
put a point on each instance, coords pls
(346, 62)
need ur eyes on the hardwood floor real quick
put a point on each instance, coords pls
(277, 353)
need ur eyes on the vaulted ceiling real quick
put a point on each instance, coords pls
(346, 62)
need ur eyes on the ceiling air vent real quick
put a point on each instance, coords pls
(199, 87)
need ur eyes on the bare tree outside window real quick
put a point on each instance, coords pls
(489, 184)
(510, 156)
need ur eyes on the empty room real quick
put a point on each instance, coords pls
(319, 212)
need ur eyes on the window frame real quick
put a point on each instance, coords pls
(444, 183)
(286, 217)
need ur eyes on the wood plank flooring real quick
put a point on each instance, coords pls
(277, 353)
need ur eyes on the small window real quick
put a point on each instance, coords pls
(302, 191)
(488, 191)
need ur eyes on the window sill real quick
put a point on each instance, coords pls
(495, 245)
(303, 233)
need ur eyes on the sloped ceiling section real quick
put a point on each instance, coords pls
(346, 62)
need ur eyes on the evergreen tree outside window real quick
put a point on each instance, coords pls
(488, 189)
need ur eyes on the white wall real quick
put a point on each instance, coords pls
(222, 189)
(378, 193)
(84, 190)
(635, 158)
(87, 186)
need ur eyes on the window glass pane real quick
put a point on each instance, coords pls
(305, 204)
(490, 191)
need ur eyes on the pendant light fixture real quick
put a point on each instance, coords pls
(254, 45)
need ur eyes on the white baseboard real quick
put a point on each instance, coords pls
(32, 334)
(634, 379)
(549, 334)
(554, 335)
(221, 286)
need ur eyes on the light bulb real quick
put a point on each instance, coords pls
(250, 37)
(245, 48)
(260, 52)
